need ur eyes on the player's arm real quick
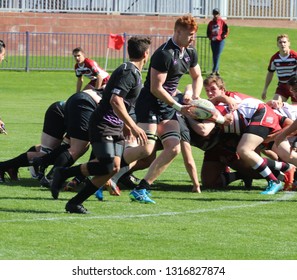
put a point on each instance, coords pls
(288, 131)
(157, 80)
(99, 81)
(268, 80)
(202, 128)
(197, 81)
(2, 127)
(118, 105)
(230, 101)
(79, 83)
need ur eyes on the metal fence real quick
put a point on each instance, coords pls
(278, 9)
(53, 51)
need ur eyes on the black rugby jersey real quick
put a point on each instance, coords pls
(126, 82)
(169, 59)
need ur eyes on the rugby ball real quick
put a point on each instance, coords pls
(202, 109)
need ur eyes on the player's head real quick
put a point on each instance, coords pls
(283, 41)
(214, 86)
(2, 51)
(78, 54)
(185, 29)
(138, 48)
(215, 13)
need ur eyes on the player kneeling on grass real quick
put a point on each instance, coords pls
(254, 121)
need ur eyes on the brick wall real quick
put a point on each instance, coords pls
(86, 23)
(105, 24)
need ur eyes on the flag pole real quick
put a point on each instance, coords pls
(106, 59)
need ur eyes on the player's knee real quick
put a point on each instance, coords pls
(103, 167)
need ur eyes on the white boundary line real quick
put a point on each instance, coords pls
(286, 196)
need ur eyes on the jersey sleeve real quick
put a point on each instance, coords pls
(126, 80)
(194, 57)
(161, 61)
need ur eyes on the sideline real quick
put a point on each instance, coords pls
(286, 196)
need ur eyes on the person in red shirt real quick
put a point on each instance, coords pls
(217, 31)
(90, 69)
(2, 57)
(284, 63)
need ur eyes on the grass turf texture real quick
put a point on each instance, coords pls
(225, 224)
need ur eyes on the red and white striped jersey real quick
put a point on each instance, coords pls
(89, 69)
(285, 67)
(287, 110)
(242, 117)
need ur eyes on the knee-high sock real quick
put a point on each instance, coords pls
(84, 194)
(63, 160)
(21, 160)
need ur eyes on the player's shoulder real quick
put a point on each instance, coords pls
(293, 53)
(89, 61)
(275, 56)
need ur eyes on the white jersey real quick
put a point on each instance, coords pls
(242, 116)
(288, 110)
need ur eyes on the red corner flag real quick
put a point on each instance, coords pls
(115, 41)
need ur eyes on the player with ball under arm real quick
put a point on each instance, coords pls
(156, 108)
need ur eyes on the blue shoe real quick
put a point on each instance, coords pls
(99, 193)
(140, 196)
(273, 187)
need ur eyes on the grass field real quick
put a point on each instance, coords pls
(228, 224)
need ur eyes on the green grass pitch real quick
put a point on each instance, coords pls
(228, 224)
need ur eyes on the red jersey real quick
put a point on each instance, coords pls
(237, 95)
(285, 67)
(217, 30)
(251, 111)
(91, 70)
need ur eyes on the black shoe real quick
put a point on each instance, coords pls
(73, 208)
(129, 181)
(13, 173)
(39, 169)
(46, 182)
(2, 176)
(247, 183)
(57, 183)
(217, 73)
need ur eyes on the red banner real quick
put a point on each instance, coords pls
(115, 41)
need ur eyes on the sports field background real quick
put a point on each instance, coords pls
(224, 224)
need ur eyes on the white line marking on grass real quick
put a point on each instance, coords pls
(285, 197)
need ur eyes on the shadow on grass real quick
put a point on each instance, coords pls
(168, 186)
(31, 211)
(22, 182)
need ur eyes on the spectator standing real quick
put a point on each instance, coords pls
(284, 63)
(2, 51)
(2, 57)
(217, 31)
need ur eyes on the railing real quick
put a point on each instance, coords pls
(264, 9)
(53, 51)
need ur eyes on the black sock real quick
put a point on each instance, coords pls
(84, 194)
(229, 177)
(143, 185)
(50, 158)
(32, 149)
(72, 171)
(21, 160)
(63, 160)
